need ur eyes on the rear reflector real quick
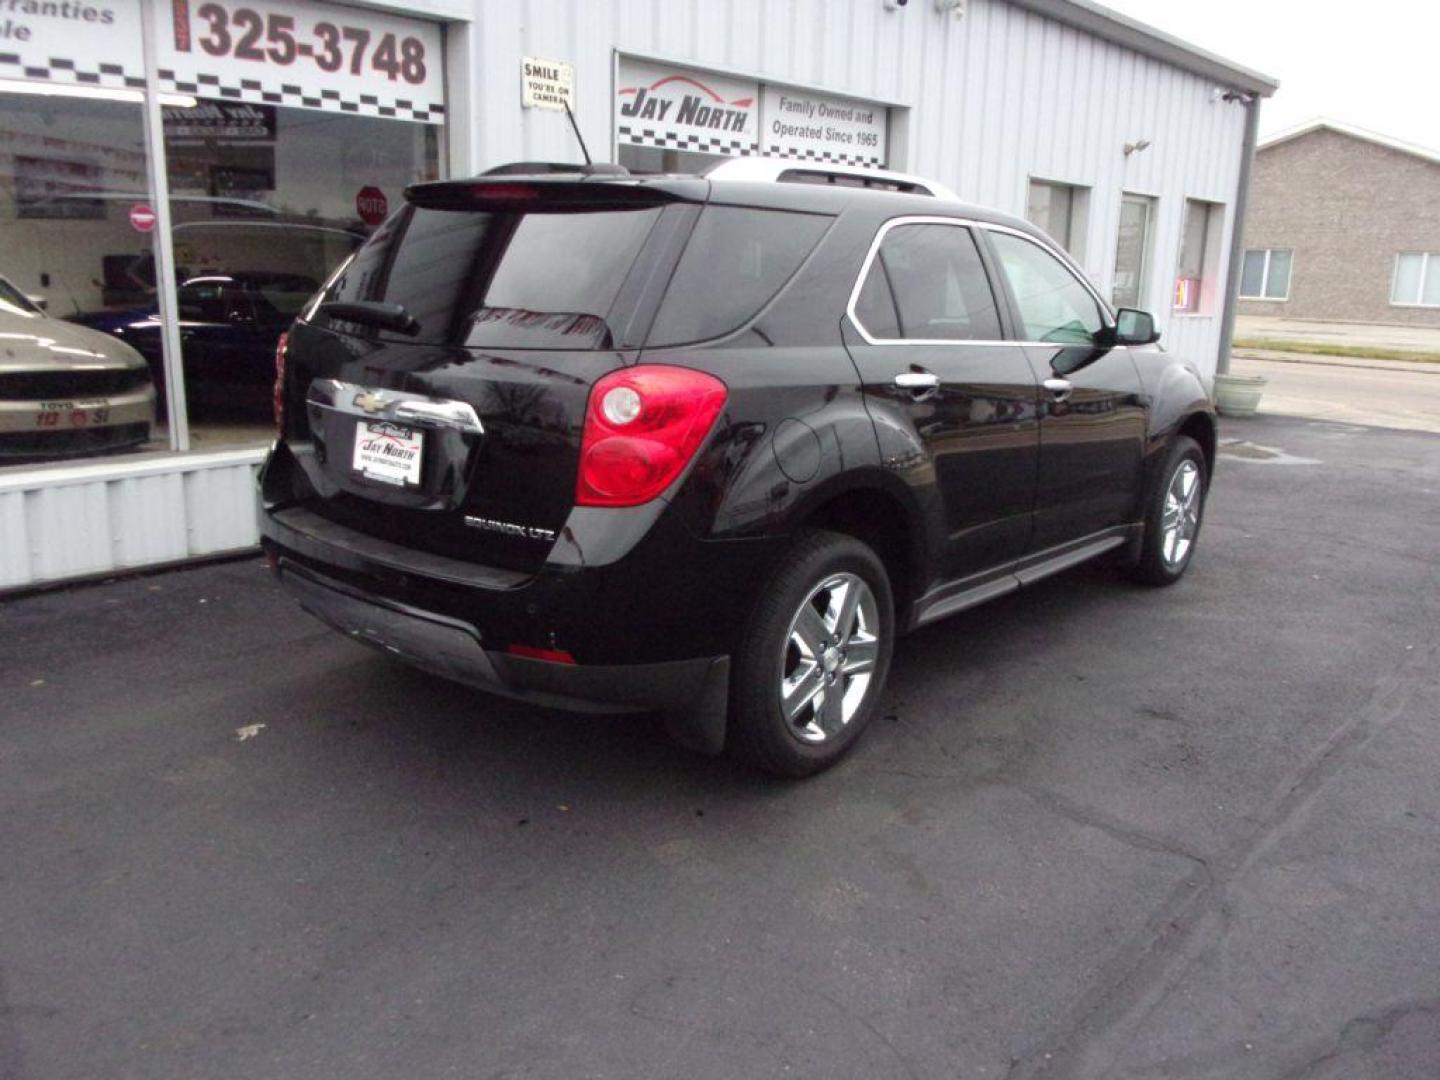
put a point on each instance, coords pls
(529, 652)
(642, 427)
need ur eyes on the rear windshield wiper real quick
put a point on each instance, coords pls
(371, 313)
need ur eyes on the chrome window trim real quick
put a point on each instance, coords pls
(1106, 317)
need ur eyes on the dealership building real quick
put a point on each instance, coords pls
(181, 175)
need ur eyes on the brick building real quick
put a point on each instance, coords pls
(1343, 224)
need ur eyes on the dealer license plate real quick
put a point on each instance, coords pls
(389, 453)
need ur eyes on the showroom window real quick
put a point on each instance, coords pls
(1061, 211)
(286, 134)
(72, 169)
(1417, 280)
(265, 201)
(1266, 274)
(1199, 257)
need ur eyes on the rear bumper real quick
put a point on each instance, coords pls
(454, 649)
(692, 694)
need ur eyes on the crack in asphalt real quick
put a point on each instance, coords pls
(1111, 827)
(1363, 1034)
(1140, 977)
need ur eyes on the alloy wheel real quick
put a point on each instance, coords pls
(1180, 520)
(829, 658)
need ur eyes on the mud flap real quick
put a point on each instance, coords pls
(701, 725)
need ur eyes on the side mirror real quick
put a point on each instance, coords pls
(1135, 327)
(40, 302)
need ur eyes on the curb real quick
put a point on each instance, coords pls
(1321, 360)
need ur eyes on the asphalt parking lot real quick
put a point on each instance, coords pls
(1101, 831)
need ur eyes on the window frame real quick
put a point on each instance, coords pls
(1265, 277)
(1427, 258)
(1077, 219)
(1211, 268)
(998, 285)
(1152, 205)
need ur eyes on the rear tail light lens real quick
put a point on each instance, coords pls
(278, 394)
(642, 427)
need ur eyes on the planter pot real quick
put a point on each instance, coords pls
(1238, 395)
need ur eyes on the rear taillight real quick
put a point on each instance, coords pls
(642, 427)
(278, 394)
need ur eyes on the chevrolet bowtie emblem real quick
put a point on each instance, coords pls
(370, 403)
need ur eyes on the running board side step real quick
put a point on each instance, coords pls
(968, 592)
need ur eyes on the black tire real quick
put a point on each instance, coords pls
(759, 732)
(1156, 564)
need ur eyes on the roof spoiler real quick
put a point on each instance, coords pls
(516, 193)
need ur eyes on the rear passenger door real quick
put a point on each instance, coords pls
(954, 404)
(1093, 410)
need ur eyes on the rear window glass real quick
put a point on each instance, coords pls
(501, 280)
(736, 261)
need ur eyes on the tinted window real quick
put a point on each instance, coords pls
(927, 283)
(736, 261)
(1053, 305)
(501, 280)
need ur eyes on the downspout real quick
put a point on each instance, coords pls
(1237, 237)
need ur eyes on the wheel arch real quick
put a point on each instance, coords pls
(888, 523)
(1200, 426)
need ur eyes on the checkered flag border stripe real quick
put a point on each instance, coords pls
(253, 91)
(61, 70)
(822, 155)
(699, 143)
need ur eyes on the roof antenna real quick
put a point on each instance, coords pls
(578, 137)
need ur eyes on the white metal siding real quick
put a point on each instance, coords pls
(70, 521)
(994, 98)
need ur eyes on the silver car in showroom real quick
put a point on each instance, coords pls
(66, 391)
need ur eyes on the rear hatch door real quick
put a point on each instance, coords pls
(443, 408)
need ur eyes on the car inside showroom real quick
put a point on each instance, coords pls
(178, 179)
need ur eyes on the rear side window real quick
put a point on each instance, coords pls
(737, 259)
(527, 280)
(927, 283)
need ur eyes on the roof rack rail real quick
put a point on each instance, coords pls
(764, 170)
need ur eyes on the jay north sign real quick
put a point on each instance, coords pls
(693, 111)
(685, 110)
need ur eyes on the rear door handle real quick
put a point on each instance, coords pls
(1058, 389)
(921, 384)
(917, 380)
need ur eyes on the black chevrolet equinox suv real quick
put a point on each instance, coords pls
(707, 446)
